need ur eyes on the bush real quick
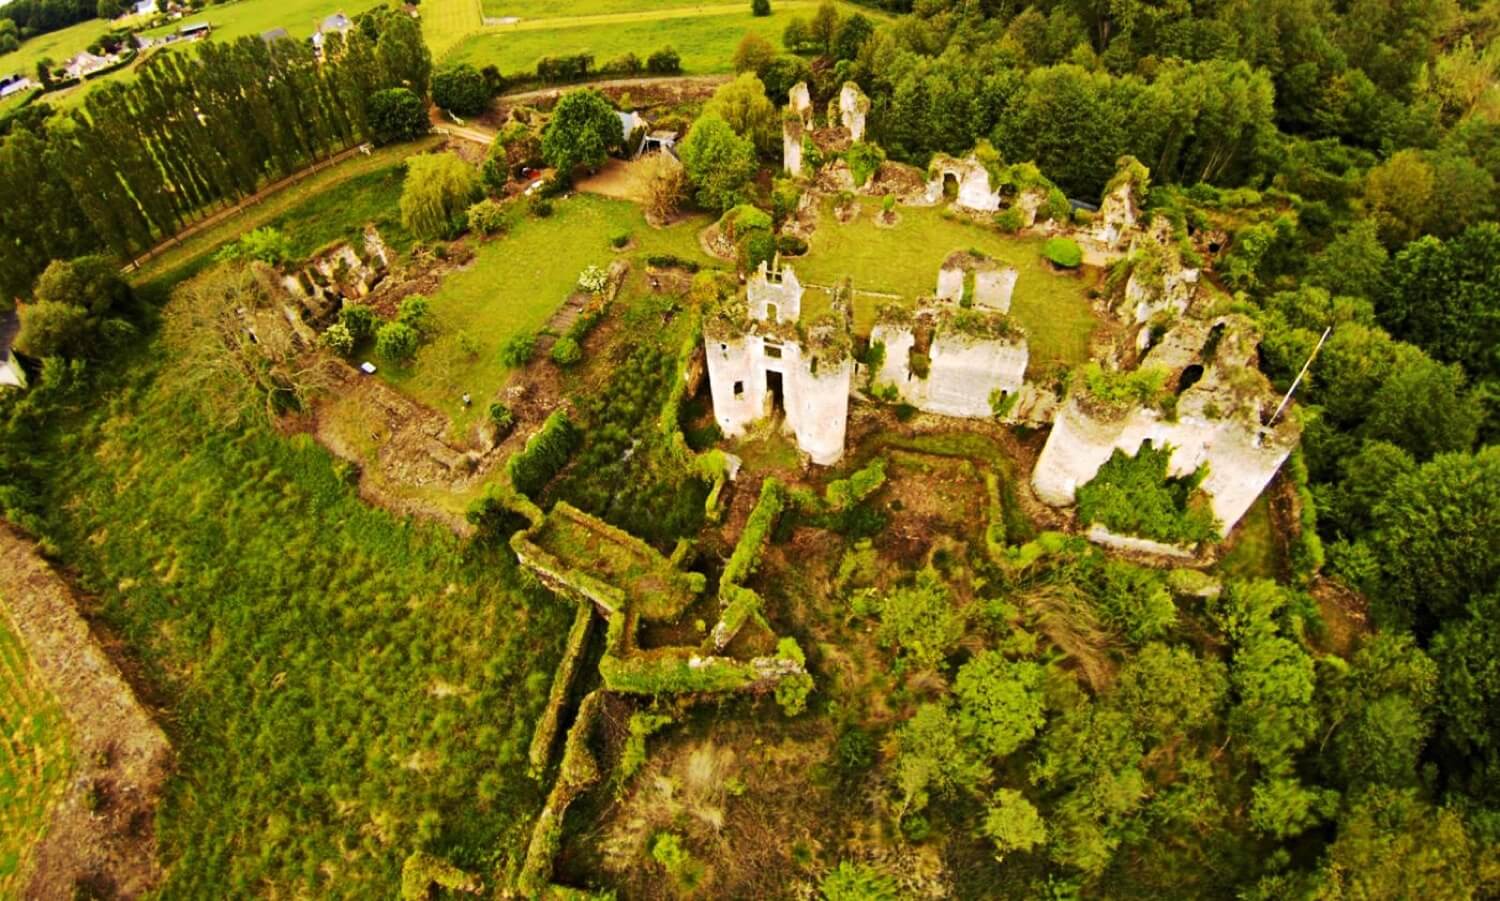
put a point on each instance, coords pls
(592, 279)
(664, 62)
(545, 454)
(414, 311)
(541, 207)
(566, 352)
(858, 882)
(760, 7)
(864, 160)
(790, 246)
(397, 341)
(339, 339)
(502, 417)
(360, 320)
(671, 261)
(487, 217)
(759, 248)
(461, 90)
(619, 238)
(1134, 496)
(1063, 252)
(397, 114)
(1011, 221)
(518, 350)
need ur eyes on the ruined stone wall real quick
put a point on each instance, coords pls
(1241, 458)
(962, 374)
(774, 297)
(993, 288)
(791, 146)
(733, 363)
(817, 407)
(974, 191)
(853, 105)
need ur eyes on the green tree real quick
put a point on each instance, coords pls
(719, 162)
(1013, 824)
(1353, 263)
(436, 195)
(397, 341)
(1444, 296)
(93, 283)
(851, 36)
(397, 114)
(781, 74)
(403, 56)
(1170, 691)
(1423, 407)
(921, 620)
(1393, 845)
(1467, 652)
(582, 131)
(753, 53)
(1282, 807)
(460, 89)
(823, 29)
(999, 701)
(1378, 711)
(760, 7)
(55, 329)
(744, 105)
(1400, 196)
(1435, 538)
(931, 758)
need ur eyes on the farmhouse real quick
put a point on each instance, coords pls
(85, 64)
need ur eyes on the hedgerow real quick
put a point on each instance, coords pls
(545, 454)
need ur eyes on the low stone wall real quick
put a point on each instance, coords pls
(1105, 538)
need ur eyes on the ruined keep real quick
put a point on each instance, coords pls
(1213, 410)
(852, 108)
(760, 359)
(1159, 282)
(949, 360)
(845, 125)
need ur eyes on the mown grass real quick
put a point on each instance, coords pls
(327, 205)
(554, 9)
(345, 686)
(35, 758)
(1054, 309)
(705, 38)
(249, 18)
(446, 22)
(514, 285)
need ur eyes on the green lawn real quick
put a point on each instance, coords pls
(706, 41)
(555, 9)
(1054, 309)
(514, 285)
(446, 22)
(34, 758)
(252, 17)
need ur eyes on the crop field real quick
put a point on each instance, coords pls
(1054, 309)
(513, 286)
(704, 36)
(347, 686)
(34, 758)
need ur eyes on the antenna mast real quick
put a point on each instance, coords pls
(1298, 380)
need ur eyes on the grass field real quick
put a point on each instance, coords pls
(312, 212)
(559, 9)
(34, 758)
(705, 36)
(446, 22)
(346, 685)
(57, 45)
(1054, 309)
(252, 17)
(514, 285)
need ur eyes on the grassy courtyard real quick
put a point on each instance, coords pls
(514, 285)
(705, 36)
(34, 758)
(1054, 309)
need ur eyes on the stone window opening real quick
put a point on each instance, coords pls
(739, 390)
(773, 350)
(772, 312)
(1190, 377)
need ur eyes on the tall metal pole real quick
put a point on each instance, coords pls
(1298, 380)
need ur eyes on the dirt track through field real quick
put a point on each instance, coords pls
(101, 833)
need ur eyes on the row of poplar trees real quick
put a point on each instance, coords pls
(142, 159)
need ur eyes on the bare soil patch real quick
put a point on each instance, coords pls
(101, 835)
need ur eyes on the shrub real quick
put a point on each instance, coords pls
(267, 245)
(758, 248)
(502, 417)
(671, 261)
(566, 352)
(858, 882)
(667, 850)
(1063, 252)
(592, 279)
(545, 454)
(792, 692)
(1134, 496)
(790, 246)
(664, 62)
(619, 238)
(1011, 221)
(415, 312)
(760, 7)
(864, 160)
(541, 207)
(397, 341)
(487, 217)
(518, 350)
(360, 320)
(339, 339)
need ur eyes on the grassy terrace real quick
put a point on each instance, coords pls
(704, 35)
(34, 758)
(514, 285)
(653, 587)
(1054, 309)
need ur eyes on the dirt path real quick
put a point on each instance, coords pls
(101, 832)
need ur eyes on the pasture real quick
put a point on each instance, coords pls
(248, 18)
(705, 36)
(35, 758)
